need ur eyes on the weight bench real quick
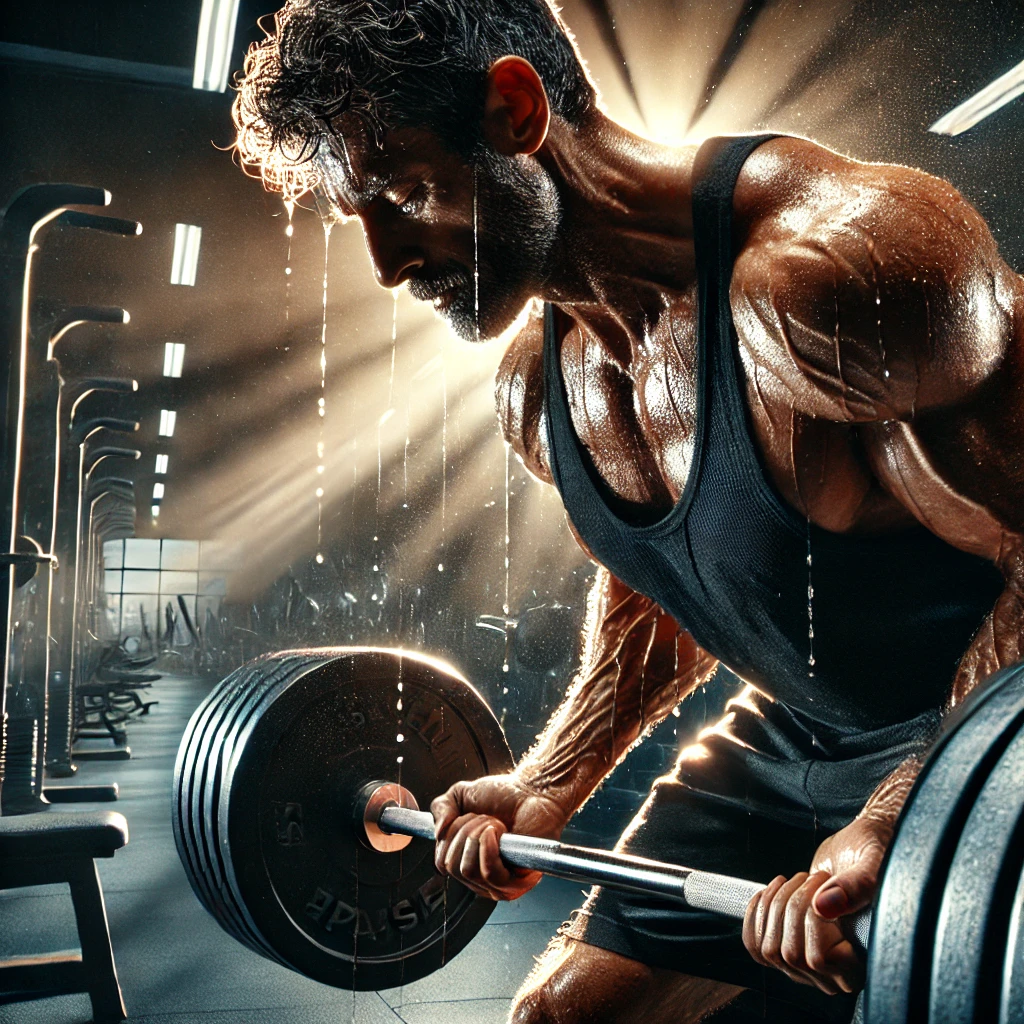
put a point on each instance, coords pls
(40, 849)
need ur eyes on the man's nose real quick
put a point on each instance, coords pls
(394, 259)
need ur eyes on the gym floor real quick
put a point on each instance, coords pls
(175, 964)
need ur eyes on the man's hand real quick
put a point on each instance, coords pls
(471, 818)
(792, 923)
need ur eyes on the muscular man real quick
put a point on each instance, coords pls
(779, 391)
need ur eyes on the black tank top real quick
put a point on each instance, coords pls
(738, 567)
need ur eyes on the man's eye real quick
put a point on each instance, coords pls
(413, 202)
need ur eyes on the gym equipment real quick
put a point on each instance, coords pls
(296, 799)
(315, 897)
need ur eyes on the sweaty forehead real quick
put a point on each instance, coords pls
(356, 169)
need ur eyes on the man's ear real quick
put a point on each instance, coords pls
(516, 111)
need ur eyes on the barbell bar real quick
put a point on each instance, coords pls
(701, 890)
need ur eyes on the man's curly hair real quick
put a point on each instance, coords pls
(392, 63)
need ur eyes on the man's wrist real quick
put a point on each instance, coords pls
(560, 793)
(885, 805)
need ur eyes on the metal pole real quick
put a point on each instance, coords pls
(702, 890)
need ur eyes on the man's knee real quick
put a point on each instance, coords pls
(532, 1008)
(575, 983)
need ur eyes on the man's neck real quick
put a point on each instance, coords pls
(626, 244)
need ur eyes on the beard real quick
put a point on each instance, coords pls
(518, 221)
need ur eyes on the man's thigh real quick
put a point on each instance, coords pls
(576, 983)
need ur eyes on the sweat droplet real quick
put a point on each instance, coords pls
(399, 738)
(319, 559)
(440, 566)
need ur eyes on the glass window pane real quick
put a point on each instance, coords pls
(113, 554)
(141, 553)
(217, 555)
(213, 584)
(181, 636)
(174, 583)
(139, 617)
(208, 619)
(112, 582)
(140, 582)
(114, 614)
(180, 554)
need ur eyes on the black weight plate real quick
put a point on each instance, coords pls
(190, 825)
(917, 865)
(1011, 995)
(326, 904)
(245, 706)
(199, 754)
(202, 827)
(185, 766)
(974, 917)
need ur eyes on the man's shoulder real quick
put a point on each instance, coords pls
(851, 282)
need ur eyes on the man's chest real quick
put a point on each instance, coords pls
(639, 419)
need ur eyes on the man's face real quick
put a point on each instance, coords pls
(415, 200)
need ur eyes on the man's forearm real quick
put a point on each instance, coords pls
(639, 665)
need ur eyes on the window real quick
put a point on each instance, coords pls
(161, 464)
(158, 491)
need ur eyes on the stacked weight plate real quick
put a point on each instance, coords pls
(947, 944)
(266, 784)
(203, 756)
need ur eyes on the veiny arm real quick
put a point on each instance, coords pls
(638, 666)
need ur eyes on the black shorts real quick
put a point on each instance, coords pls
(754, 797)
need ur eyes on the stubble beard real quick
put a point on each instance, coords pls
(518, 218)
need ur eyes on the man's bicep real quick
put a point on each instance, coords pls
(878, 294)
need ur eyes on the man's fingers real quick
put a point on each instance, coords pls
(771, 941)
(846, 892)
(446, 808)
(754, 920)
(492, 868)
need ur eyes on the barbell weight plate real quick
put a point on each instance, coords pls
(199, 757)
(975, 912)
(916, 867)
(272, 681)
(283, 771)
(211, 753)
(1011, 994)
(186, 765)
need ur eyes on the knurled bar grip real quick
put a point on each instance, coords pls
(701, 890)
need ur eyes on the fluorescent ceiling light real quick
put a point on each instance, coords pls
(161, 464)
(167, 420)
(214, 43)
(983, 103)
(156, 511)
(186, 254)
(158, 491)
(174, 359)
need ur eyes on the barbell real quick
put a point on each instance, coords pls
(297, 790)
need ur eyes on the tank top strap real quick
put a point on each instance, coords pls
(722, 416)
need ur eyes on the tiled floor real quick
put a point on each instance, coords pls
(175, 964)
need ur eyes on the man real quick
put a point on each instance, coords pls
(779, 392)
